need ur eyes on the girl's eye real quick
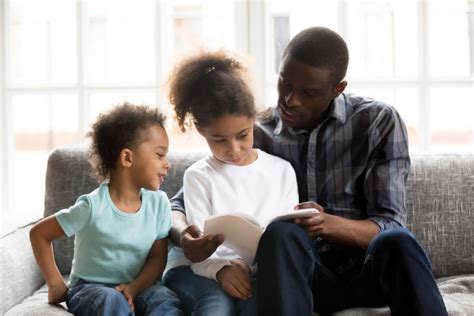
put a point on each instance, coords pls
(219, 141)
(242, 136)
(160, 155)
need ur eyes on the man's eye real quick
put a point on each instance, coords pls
(311, 93)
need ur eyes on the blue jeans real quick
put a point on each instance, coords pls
(87, 298)
(203, 296)
(294, 279)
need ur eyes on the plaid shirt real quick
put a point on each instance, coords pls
(354, 164)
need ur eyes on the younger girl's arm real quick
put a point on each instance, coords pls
(151, 271)
(41, 236)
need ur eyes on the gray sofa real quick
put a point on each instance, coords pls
(441, 214)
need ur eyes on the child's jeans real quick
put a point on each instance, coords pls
(201, 296)
(87, 298)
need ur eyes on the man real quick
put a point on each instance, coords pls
(351, 158)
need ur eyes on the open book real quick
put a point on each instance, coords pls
(242, 232)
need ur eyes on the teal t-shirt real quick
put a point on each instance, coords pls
(111, 246)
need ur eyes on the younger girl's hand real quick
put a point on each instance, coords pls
(57, 293)
(235, 280)
(129, 293)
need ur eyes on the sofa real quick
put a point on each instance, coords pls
(441, 214)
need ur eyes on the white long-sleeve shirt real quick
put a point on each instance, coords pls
(263, 189)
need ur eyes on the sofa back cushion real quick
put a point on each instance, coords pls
(440, 203)
(69, 175)
(439, 200)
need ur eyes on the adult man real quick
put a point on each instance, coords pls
(351, 158)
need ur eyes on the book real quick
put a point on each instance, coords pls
(242, 232)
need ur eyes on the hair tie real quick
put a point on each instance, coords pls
(209, 69)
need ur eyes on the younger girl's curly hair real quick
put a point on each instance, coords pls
(124, 126)
(209, 85)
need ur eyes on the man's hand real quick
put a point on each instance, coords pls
(129, 292)
(315, 225)
(235, 280)
(196, 247)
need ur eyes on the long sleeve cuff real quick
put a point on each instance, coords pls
(384, 223)
(209, 268)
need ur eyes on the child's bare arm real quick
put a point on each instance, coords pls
(150, 272)
(41, 236)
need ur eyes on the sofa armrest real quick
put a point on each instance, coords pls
(20, 275)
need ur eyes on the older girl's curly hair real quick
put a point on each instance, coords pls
(208, 85)
(124, 126)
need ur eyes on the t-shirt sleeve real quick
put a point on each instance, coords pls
(76, 217)
(165, 216)
(292, 197)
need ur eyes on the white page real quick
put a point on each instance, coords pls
(241, 234)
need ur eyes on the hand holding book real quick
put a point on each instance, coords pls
(242, 232)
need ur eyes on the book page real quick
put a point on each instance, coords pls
(242, 234)
(305, 212)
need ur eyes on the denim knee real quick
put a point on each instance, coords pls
(397, 244)
(281, 233)
(107, 298)
(158, 300)
(97, 299)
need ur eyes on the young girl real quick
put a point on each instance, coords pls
(209, 90)
(120, 228)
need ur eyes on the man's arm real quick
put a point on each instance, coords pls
(355, 233)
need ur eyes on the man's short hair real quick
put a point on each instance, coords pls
(322, 48)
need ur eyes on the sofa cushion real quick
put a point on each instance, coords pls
(20, 276)
(440, 203)
(37, 304)
(457, 292)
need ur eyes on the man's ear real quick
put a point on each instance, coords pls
(126, 158)
(339, 88)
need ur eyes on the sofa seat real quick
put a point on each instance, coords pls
(37, 304)
(457, 291)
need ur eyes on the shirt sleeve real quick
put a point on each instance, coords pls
(292, 197)
(76, 217)
(209, 267)
(196, 196)
(177, 202)
(387, 171)
(165, 215)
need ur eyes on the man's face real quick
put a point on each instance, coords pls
(305, 93)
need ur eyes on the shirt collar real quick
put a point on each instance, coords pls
(337, 111)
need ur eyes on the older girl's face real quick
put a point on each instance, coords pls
(230, 138)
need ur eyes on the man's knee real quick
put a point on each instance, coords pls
(280, 233)
(397, 245)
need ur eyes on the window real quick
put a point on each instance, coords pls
(64, 61)
(68, 60)
(415, 55)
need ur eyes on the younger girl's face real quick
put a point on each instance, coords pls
(230, 138)
(150, 161)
